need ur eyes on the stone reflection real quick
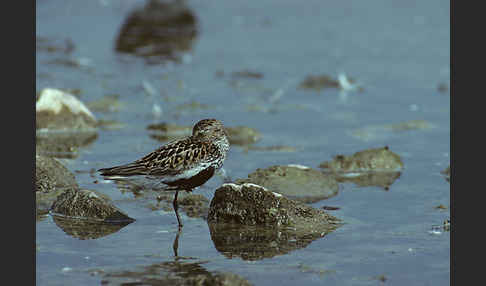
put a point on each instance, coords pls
(378, 179)
(259, 242)
(158, 32)
(171, 273)
(88, 229)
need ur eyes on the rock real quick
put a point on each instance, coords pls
(247, 74)
(447, 173)
(158, 32)
(88, 204)
(166, 131)
(251, 204)
(88, 229)
(253, 223)
(382, 132)
(443, 88)
(51, 175)
(173, 273)
(54, 45)
(239, 135)
(58, 110)
(108, 103)
(63, 144)
(194, 205)
(318, 82)
(63, 124)
(295, 181)
(51, 179)
(371, 160)
(373, 167)
(275, 148)
(242, 135)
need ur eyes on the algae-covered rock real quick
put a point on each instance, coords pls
(373, 167)
(87, 204)
(295, 181)
(242, 135)
(59, 110)
(51, 179)
(371, 160)
(166, 131)
(251, 204)
(318, 82)
(239, 135)
(51, 175)
(252, 222)
(194, 205)
(160, 31)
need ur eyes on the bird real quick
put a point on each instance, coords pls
(182, 164)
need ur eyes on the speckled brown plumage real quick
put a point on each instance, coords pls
(181, 164)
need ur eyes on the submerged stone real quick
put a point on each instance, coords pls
(87, 204)
(63, 144)
(371, 160)
(158, 32)
(239, 135)
(447, 173)
(166, 131)
(108, 103)
(373, 167)
(381, 132)
(242, 135)
(318, 82)
(295, 181)
(51, 179)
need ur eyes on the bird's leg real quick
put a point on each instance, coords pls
(175, 246)
(174, 204)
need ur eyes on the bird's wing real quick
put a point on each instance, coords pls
(179, 157)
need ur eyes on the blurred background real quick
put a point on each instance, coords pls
(309, 79)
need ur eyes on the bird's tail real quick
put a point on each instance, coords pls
(131, 169)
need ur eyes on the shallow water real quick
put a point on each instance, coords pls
(398, 51)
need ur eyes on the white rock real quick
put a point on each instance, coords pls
(52, 100)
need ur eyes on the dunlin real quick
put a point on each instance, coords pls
(182, 164)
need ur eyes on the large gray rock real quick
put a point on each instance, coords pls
(253, 223)
(160, 31)
(251, 204)
(51, 179)
(87, 204)
(295, 181)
